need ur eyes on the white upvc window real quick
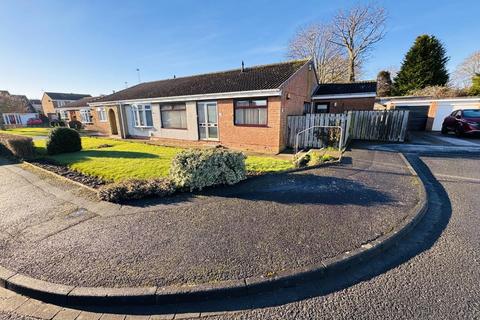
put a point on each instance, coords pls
(102, 114)
(64, 115)
(85, 116)
(142, 115)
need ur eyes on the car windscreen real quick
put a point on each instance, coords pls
(471, 113)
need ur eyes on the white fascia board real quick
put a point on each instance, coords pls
(345, 96)
(72, 108)
(427, 101)
(197, 97)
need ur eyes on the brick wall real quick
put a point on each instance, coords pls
(47, 105)
(259, 139)
(432, 112)
(96, 125)
(342, 105)
(295, 93)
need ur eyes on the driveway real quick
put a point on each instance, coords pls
(257, 228)
(448, 140)
(435, 275)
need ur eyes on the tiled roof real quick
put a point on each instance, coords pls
(35, 101)
(66, 96)
(251, 78)
(345, 88)
(80, 103)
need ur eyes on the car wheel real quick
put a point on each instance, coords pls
(458, 131)
(444, 130)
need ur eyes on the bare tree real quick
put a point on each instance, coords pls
(466, 70)
(315, 41)
(358, 30)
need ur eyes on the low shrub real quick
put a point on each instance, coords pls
(63, 140)
(17, 146)
(317, 158)
(301, 161)
(57, 123)
(196, 169)
(75, 124)
(132, 189)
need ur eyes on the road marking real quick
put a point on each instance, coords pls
(457, 141)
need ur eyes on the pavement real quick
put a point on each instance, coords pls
(434, 274)
(258, 228)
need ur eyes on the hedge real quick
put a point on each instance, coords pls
(17, 146)
(136, 189)
(196, 169)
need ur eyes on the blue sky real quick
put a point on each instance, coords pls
(96, 46)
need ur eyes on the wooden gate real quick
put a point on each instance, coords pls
(316, 138)
(361, 125)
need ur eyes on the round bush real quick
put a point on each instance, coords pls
(196, 169)
(63, 140)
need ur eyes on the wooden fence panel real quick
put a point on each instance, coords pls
(361, 125)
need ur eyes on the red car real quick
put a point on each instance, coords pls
(34, 122)
(462, 122)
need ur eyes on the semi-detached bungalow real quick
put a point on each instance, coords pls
(246, 108)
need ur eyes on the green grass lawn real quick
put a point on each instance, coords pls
(115, 160)
(31, 132)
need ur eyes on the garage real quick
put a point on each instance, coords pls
(418, 116)
(428, 113)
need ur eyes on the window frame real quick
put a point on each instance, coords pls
(172, 105)
(136, 108)
(250, 106)
(88, 113)
(102, 110)
(64, 115)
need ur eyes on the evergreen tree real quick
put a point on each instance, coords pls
(384, 84)
(424, 65)
(475, 88)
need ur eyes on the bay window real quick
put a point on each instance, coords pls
(252, 112)
(142, 115)
(174, 116)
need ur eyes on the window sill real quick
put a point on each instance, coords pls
(143, 127)
(174, 128)
(252, 125)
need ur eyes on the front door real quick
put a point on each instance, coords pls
(207, 120)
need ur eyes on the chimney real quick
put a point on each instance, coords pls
(243, 66)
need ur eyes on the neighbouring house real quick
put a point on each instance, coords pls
(427, 113)
(51, 101)
(37, 105)
(94, 119)
(341, 97)
(15, 110)
(246, 108)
